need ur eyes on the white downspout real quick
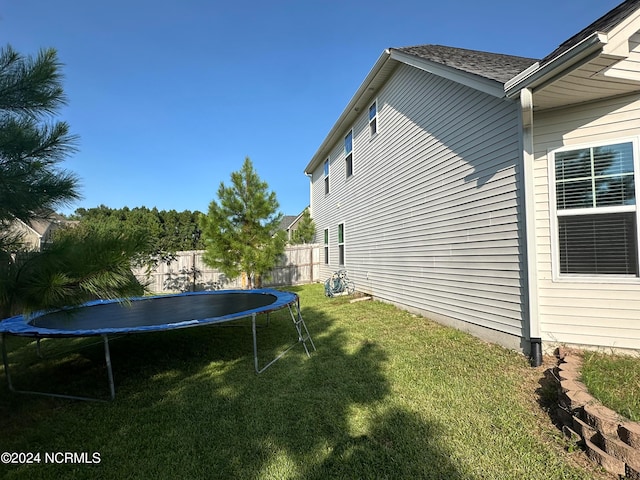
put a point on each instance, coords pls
(526, 108)
(310, 177)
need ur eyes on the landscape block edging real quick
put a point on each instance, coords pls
(609, 439)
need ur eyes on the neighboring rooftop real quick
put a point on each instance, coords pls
(286, 221)
(494, 66)
(43, 221)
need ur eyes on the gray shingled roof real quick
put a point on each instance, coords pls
(43, 220)
(603, 24)
(494, 66)
(286, 221)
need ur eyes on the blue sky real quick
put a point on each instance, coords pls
(169, 97)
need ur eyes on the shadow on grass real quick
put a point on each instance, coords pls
(188, 404)
(547, 395)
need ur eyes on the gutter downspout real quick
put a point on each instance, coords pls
(310, 177)
(526, 109)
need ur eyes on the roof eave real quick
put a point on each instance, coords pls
(537, 74)
(376, 73)
(29, 227)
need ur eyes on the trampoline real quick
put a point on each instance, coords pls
(106, 318)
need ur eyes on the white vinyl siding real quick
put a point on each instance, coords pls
(630, 66)
(433, 211)
(585, 310)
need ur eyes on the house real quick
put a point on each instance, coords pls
(290, 224)
(37, 232)
(287, 224)
(494, 193)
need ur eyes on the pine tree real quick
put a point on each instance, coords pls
(82, 264)
(241, 230)
(31, 144)
(306, 230)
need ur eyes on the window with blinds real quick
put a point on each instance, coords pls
(596, 209)
(598, 244)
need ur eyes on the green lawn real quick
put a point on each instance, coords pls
(615, 381)
(387, 395)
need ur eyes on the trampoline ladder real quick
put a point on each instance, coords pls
(303, 337)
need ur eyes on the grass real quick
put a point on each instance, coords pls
(615, 381)
(387, 395)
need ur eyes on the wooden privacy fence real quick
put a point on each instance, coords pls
(300, 264)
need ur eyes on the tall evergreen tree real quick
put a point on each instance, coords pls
(82, 265)
(31, 144)
(306, 230)
(241, 231)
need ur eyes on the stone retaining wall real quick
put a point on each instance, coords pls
(609, 439)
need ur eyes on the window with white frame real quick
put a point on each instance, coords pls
(373, 118)
(326, 246)
(348, 153)
(595, 200)
(341, 244)
(326, 177)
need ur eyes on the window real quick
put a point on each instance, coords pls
(595, 199)
(326, 246)
(373, 118)
(341, 244)
(348, 153)
(326, 177)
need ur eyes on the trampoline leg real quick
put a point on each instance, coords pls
(255, 343)
(5, 361)
(107, 358)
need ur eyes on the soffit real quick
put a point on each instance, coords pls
(598, 78)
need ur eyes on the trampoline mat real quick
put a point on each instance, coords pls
(149, 313)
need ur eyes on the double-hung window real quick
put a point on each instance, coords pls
(341, 244)
(326, 177)
(326, 246)
(348, 153)
(373, 118)
(595, 200)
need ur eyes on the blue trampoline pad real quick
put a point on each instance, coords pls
(147, 314)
